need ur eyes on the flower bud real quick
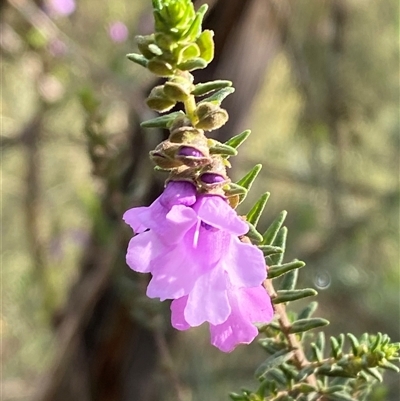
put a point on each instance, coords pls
(143, 43)
(210, 116)
(160, 67)
(159, 101)
(212, 177)
(178, 89)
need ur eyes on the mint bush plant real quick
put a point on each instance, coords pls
(214, 264)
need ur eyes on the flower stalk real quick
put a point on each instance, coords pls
(213, 263)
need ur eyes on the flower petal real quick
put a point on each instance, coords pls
(178, 193)
(249, 305)
(131, 217)
(244, 264)
(169, 225)
(256, 303)
(216, 212)
(177, 314)
(234, 331)
(175, 274)
(208, 301)
(142, 250)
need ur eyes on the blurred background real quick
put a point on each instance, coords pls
(318, 84)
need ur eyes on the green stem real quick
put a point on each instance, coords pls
(190, 107)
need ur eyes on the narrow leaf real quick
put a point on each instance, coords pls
(237, 140)
(334, 389)
(219, 96)
(235, 189)
(248, 179)
(355, 345)
(302, 325)
(273, 229)
(308, 310)
(388, 365)
(377, 342)
(290, 280)
(270, 250)
(163, 121)
(253, 234)
(207, 87)
(272, 362)
(336, 349)
(340, 397)
(223, 149)
(255, 213)
(193, 64)
(280, 241)
(374, 372)
(293, 295)
(278, 270)
(138, 59)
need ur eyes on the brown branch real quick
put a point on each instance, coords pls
(81, 305)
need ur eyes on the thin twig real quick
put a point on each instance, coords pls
(168, 365)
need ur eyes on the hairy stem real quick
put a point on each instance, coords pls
(300, 359)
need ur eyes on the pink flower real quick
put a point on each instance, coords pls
(248, 306)
(189, 243)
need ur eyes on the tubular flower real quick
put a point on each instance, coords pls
(248, 306)
(189, 243)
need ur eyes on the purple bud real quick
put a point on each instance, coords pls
(211, 178)
(189, 151)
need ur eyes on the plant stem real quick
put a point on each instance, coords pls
(190, 107)
(300, 359)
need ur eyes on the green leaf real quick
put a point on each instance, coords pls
(163, 121)
(377, 342)
(355, 345)
(340, 397)
(336, 348)
(309, 310)
(277, 376)
(193, 64)
(193, 32)
(255, 213)
(334, 389)
(138, 59)
(273, 361)
(253, 234)
(278, 270)
(293, 295)
(305, 388)
(248, 179)
(290, 280)
(206, 45)
(270, 250)
(188, 52)
(235, 189)
(219, 96)
(301, 325)
(273, 229)
(388, 365)
(223, 149)
(374, 372)
(317, 352)
(204, 88)
(237, 140)
(280, 241)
